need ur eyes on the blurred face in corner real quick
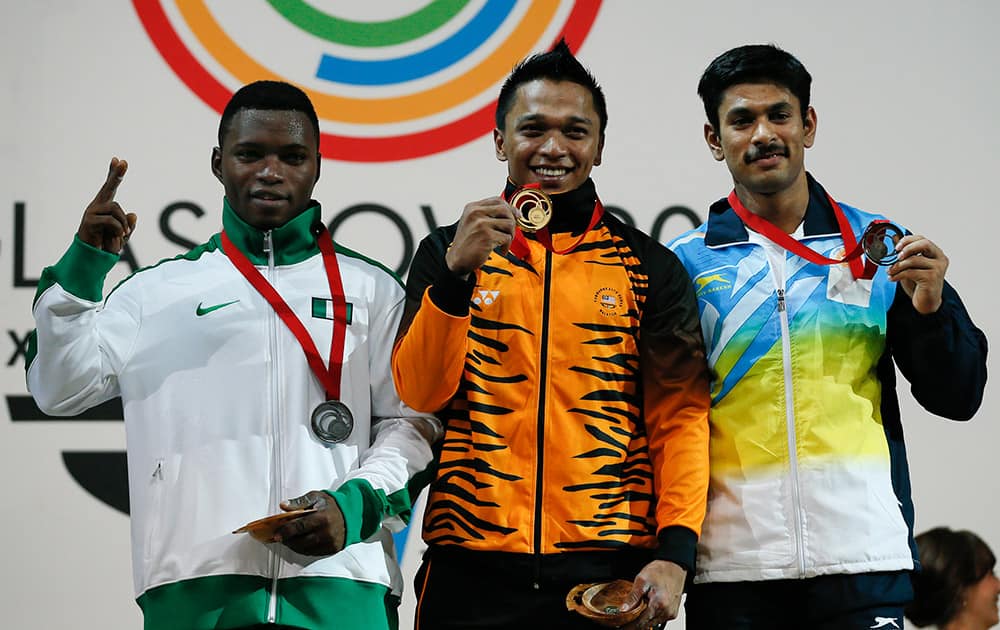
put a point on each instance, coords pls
(980, 609)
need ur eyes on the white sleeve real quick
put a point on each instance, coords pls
(392, 472)
(80, 345)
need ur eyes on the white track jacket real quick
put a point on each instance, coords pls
(218, 397)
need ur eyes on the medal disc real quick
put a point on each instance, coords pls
(332, 422)
(532, 208)
(879, 242)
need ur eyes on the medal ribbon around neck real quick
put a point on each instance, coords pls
(519, 244)
(860, 270)
(328, 376)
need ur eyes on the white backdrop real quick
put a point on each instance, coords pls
(905, 94)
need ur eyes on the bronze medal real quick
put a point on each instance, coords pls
(332, 422)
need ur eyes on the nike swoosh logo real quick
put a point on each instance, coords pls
(208, 309)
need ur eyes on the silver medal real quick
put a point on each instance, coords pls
(879, 242)
(332, 422)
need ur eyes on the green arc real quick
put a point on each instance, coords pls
(369, 34)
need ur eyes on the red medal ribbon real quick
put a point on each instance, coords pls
(328, 376)
(519, 244)
(778, 236)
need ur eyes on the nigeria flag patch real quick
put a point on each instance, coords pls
(323, 309)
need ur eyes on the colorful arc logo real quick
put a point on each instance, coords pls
(389, 88)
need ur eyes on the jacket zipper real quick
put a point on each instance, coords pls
(273, 560)
(540, 446)
(793, 460)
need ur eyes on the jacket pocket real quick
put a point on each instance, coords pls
(154, 507)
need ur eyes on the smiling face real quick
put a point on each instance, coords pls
(551, 135)
(980, 608)
(268, 164)
(762, 137)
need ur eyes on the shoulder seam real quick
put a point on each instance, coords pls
(350, 253)
(192, 254)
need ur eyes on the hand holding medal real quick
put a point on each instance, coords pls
(602, 603)
(486, 225)
(920, 271)
(312, 524)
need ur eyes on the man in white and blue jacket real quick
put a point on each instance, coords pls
(809, 521)
(230, 415)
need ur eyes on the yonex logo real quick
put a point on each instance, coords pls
(386, 86)
(486, 297)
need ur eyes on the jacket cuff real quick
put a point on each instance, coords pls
(363, 508)
(924, 325)
(677, 544)
(452, 294)
(80, 271)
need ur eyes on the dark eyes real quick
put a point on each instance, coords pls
(253, 155)
(575, 132)
(247, 155)
(745, 121)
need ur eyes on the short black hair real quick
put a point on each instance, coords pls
(950, 561)
(268, 95)
(558, 64)
(754, 63)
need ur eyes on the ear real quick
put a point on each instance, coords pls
(714, 143)
(809, 124)
(498, 144)
(217, 164)
(319, 163)
(600, 151)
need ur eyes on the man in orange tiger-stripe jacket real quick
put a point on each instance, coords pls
(568, 369)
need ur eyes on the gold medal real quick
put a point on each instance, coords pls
(532, 208)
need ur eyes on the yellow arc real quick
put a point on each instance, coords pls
(384, 110)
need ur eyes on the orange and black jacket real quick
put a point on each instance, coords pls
(574, 393)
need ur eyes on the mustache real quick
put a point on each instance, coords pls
(758, 151)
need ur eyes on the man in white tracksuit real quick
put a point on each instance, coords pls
(254, 375)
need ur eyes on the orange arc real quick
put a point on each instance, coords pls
(387, 110)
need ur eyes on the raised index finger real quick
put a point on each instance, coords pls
(116, 173)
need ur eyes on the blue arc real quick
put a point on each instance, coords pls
(422, 64)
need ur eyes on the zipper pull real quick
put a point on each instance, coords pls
(267, 243)
(781, 300)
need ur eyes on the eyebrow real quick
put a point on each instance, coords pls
(284, 147)
(744, 111)
(540, 117)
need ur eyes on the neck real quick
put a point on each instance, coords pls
(785, 208)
